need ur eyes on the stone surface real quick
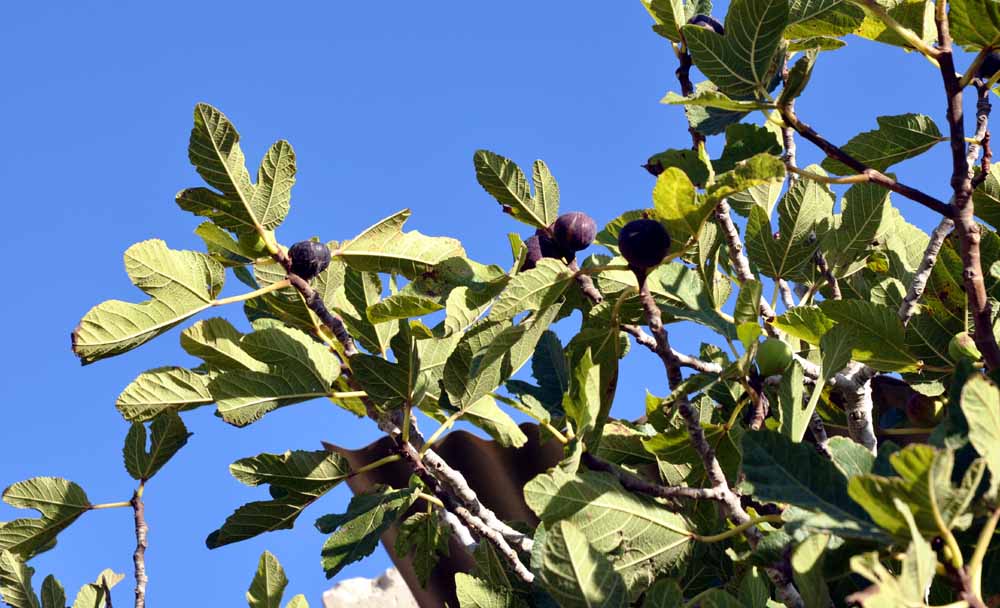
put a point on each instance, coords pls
(386, 591)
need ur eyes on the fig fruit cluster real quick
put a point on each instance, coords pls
(708, 22)
(773, 357)
(571, 232)
(309, 258)
(644, 243)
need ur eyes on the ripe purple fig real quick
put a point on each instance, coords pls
(534, 253)
(309, 258)
(574, 231)
(990, 65)
(643, 243)
(708, 22)
(541, 245)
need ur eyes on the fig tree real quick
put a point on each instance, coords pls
(773, 357)
(923, 411)
(643, 243)
(708, 22)
(989, 66)
(963, 346)
(309, 258)
(574, 231)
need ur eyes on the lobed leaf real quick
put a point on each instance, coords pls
(896, 139)
(268, 584)
(384, 247)
(356, 533)
(168, 435)
(180, 285)
(641, 538)
(163, 389)
(575, 573)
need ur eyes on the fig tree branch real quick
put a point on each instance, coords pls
(139, 557)
(919, 282)
(475, 524)
(962, 210)
(469, 499)
(727, 499)
(634, 483)
(871, 175)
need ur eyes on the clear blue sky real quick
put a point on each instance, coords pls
(384, 104)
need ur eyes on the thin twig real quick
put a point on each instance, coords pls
(139, 557)
(475, 524)
(456, 481)
(734, 247)
(855, 385)
(827, 273)
(962, 210)
(329, 319)
(919, 282)
(683, 74)
(727, 499)
(634, 483)
(818, 430)
(786, 294)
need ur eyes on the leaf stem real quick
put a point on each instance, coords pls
(776, 518)
(253, 294)
(554, 431)
(447, 424)
(405, 432)
(112, 505)
(976, 562)
(859, 178)
(347, 394)
(430, 498)
(371, 466)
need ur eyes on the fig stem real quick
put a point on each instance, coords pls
(253, 294)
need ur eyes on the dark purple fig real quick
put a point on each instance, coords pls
(708, 22)
(309, 258)
(644, 243)
(534, 253)
(550, 248)
(574, 231)
(541, 245)
(990, 65)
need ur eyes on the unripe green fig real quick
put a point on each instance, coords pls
(963, 346)
(708, 22)
(990, 65)
(574, 231)
(773, 357)
(309, 258)
(643, 243)
(923, 411)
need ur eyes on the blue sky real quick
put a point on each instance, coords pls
(385, 104)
